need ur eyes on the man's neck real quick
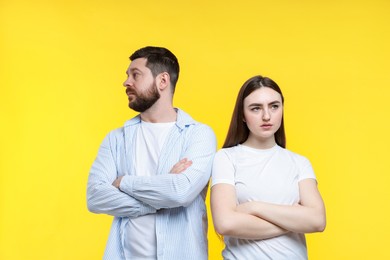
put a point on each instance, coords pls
(159, 115)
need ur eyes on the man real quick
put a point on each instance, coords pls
(152, 173)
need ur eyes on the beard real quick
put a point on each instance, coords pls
(143, 101)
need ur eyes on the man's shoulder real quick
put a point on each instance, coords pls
(115, 136)
(198, 127)
(195, 131)
(185, 120)
(120, 131)
(117, 131)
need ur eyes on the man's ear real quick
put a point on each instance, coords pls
(163, 80)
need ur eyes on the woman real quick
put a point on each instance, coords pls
(263, 196)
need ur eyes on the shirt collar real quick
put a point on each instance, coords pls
(183, 120)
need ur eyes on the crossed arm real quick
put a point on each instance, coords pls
(229, 220)
(259, 220)
(140, 195)
(307, 216)
(102, 196)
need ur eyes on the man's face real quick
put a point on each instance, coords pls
(140, 84)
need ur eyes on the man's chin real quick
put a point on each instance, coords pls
(137, 108)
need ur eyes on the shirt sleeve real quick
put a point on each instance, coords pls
(102, 196)
(175, 190)
(223, 169)
(305, 169)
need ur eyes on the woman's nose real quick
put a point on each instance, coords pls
(266, 115)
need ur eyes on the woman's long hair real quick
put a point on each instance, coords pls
(238, 130)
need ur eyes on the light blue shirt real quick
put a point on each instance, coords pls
(178, 200)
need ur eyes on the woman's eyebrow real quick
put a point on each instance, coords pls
(260, 104)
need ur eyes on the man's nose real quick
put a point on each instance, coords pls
(127, 82)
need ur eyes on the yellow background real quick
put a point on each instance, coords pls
(62, 64)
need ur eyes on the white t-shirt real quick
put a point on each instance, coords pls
(140, 233)
(269, 175)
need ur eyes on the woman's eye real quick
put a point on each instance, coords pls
(274, 107)
(255, 109)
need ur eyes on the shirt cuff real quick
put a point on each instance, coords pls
(146, 209)
(225, 181)
(126, 184)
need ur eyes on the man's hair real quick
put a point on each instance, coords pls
(158, 60)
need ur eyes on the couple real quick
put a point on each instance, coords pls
(152, 175)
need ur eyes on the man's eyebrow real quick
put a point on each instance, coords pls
(132, 70)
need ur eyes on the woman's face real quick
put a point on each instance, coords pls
(263, 112)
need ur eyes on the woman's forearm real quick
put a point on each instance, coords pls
(245, 226)
(295, 218)
(306, 217)
(228, 221)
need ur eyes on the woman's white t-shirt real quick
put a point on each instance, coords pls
(269, 175)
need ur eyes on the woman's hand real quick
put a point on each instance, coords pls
(306, 217)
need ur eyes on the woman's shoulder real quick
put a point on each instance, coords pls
(229, 150)
(296, 157)
(229, 153)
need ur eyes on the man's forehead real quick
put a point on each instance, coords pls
(138, 65)
(140, 62)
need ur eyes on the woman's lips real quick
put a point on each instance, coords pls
(266, 126)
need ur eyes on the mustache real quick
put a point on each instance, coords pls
(130, 91)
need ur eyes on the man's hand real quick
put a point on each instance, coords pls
(181, 166)
(117, 182)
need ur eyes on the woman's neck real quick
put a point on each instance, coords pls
(260, 143)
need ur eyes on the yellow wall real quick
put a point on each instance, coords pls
(61, 68)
